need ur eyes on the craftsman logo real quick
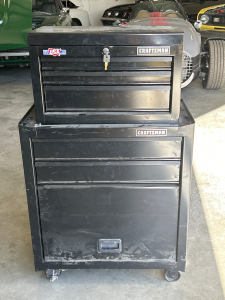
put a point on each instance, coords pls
(153, 50)
(54, 52)
(152, 132)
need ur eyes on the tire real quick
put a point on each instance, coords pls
(76, 22)
(171, 275)
(214, 65)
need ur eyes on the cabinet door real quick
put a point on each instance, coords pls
(75, 217)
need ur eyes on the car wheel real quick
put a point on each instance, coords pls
(214, 65)
(76, 22)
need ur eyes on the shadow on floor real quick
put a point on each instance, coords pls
(202, 101)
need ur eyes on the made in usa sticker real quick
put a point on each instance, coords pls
(54, 52)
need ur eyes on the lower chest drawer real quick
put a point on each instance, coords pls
(74, 218)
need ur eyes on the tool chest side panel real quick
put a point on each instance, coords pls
(32, 198)
(185, 186)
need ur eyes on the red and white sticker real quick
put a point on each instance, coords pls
(54, 52)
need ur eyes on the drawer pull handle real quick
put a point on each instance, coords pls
(109, 246)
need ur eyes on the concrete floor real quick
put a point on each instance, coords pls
(204, 277)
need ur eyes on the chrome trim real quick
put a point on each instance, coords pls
(113, 19)
(8, 54)
(185, 83)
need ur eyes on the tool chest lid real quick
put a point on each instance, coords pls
(96, 36)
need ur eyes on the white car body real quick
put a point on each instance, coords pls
(89, 12)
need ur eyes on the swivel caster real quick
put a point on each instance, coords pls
(52, 274)
(171, 275)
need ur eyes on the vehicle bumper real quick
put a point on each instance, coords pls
(212, 34)
(110, 21)
(212, 28)
(14, 57)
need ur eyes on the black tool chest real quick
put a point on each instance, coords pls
(107, 195)
(136, 88)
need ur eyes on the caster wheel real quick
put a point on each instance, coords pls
(171, 275)
(52, 274)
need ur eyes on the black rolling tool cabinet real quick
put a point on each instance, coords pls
(107, 176)
(108, 196)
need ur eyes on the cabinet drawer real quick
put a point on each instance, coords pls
(119, 63)
(74, 218)
(105, 99)
(96, 149)
(110, 171)
(103, 78)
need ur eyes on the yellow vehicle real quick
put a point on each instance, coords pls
(212, 18)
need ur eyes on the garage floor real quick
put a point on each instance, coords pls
(205, 274)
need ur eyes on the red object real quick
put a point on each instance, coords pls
(156, 14)
(220, 11)
(54, 52)
(158, 21)
(123, 23)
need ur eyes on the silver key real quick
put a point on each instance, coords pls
(106, 57)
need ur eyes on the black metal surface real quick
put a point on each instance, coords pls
(87, 183)
(74, 218)
(213, 34)
(108, 171)
(95, 36)
(67, 149)
(76, 88)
